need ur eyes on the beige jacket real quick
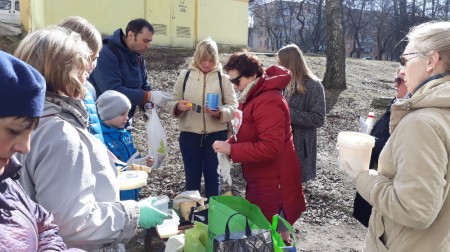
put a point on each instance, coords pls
(197, 86)
(409, 193)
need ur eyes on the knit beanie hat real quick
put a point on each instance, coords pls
(22, 88)
(111, 104)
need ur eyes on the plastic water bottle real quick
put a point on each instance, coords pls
(369, 122)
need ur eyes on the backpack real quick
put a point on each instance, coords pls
(186, 77)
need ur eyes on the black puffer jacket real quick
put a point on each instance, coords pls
(24, 225)
(361, 208)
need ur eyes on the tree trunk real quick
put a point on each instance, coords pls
(335, 72)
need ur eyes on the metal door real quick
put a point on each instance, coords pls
(158, 13)
(16, 13)
(6, 15)
(182, 24)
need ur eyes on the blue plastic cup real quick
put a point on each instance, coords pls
(212, 101)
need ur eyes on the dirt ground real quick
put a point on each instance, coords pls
(327, 224)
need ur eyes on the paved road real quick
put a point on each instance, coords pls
(6, 29)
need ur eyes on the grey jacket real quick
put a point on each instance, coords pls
(68, 171)
(307, 114)
(409, 192)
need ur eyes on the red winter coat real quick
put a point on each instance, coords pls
(266, 150)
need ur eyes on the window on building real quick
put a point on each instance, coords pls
(17, 7)
(5, 5)
(260, 43)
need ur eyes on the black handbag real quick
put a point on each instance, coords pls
(244, 241)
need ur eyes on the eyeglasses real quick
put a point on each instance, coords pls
(403, 61)
(236, 80)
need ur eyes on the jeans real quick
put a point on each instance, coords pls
(200, 159)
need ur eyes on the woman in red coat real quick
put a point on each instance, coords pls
(264, 143)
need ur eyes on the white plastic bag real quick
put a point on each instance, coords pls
(157, 139)
(224, 168)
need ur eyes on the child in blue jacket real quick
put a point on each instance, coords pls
(113, 107)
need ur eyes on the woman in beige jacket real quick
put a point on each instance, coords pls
(409, 192)
(200, 125)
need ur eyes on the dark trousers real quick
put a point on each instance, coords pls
(200, 159)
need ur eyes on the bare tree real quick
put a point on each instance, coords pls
(382, 21)
(357, 24)
(446, 5)
(335, 70)
(311, 25)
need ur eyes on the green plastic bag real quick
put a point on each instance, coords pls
(275, 219)
(195, 238)
(222, 207)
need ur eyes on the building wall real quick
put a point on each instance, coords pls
(224, 20)
(177, 23)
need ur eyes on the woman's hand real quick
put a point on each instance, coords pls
(222, 147)
(213, 113)
(150, 161)
(184, 105)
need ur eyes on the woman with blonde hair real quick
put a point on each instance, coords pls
(306, 99)
(93, 38)
(68, 170)
(202, 126)
(409, 192)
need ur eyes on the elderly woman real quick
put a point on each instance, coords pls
(264, 142)
(68, 170)
(380, 130)
(409, 191)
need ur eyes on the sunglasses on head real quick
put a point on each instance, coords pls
(236, 80)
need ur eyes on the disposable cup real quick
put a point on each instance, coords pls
(355, 149)
(162, 203)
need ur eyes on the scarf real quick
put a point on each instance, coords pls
(243, 96)
(73, 106)
(434, 77)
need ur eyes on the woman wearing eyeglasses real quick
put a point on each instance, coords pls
(201, 125)
(264, 142)
(409, 192)
(380, 130)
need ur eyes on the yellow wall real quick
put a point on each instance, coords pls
(178, 23)
(224, 21)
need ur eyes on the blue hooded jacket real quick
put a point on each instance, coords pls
(119, 68)
(94, 122)
(118, 141)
